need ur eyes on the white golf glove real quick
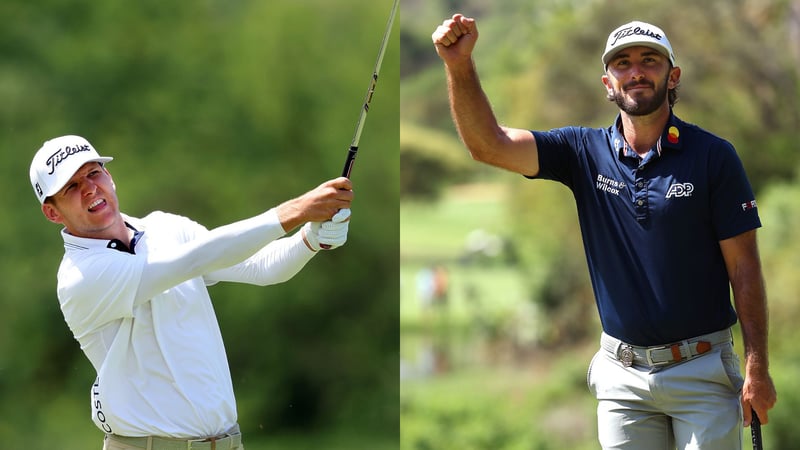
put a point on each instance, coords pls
(329, 234)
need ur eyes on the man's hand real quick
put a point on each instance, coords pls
(455, 38)
(759, 394)
(317, 205)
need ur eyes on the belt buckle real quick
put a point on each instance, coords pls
(649, 355)
(190, 444)
(626, 355)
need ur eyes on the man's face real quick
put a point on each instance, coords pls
(638, 80)
(87, 205)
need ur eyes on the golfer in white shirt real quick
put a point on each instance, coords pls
(133, 292)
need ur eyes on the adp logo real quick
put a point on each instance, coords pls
(680, 190)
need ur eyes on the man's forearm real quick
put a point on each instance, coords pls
(471, 110)
(279, 261)
(751, 307)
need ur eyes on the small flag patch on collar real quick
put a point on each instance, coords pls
(673, 134)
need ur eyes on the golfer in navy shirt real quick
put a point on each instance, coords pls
(669, 223)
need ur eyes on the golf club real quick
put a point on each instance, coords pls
(351, 154)
(755, 430)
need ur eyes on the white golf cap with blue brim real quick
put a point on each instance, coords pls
(57, 161)
(635, 34)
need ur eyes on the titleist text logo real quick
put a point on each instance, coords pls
(63, 153)
(630, 31)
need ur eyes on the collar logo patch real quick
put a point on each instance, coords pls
(673, 134)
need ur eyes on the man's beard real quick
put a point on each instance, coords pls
(642, 106)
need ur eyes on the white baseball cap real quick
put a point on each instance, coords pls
(637, 33)
(57, 161)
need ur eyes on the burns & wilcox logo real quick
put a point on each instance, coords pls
(609, 185)
(631, 31)
(62, 154)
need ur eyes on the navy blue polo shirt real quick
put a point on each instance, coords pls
(651, 226)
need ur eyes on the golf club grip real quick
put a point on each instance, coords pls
(755, 430)
(348, 164)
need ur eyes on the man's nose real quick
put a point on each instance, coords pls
(637, 73)
(88, 187)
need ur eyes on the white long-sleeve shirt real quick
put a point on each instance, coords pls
(145, 319)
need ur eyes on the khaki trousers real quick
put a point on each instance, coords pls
(693, 405)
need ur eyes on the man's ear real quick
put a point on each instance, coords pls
(51, 213)
(607, 84)
(674, 78)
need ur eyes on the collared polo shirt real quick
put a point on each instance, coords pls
(161, 364)
(143, 316)
(651, 225)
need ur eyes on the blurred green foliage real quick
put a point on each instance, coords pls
(501, 408)
(217, 110)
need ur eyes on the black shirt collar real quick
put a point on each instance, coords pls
(116, 244)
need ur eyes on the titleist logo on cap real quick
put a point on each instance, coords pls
(62, 154)
(631, 31)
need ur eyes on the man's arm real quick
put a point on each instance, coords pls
(277, 262)
(283, 258)
(750, 299)
(231, 244)
(487, 141)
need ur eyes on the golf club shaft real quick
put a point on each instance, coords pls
(755, 430)
(351, 154)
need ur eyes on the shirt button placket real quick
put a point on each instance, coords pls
(640, 200)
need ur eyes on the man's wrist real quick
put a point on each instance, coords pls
(289, 216)
(461, 68)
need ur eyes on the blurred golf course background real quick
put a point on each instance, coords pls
(216, 110)
(498, 321)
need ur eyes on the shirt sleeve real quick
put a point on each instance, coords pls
(98, 289)
(557, 150)
(733, 205)
(204, 252)
(278, 261)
